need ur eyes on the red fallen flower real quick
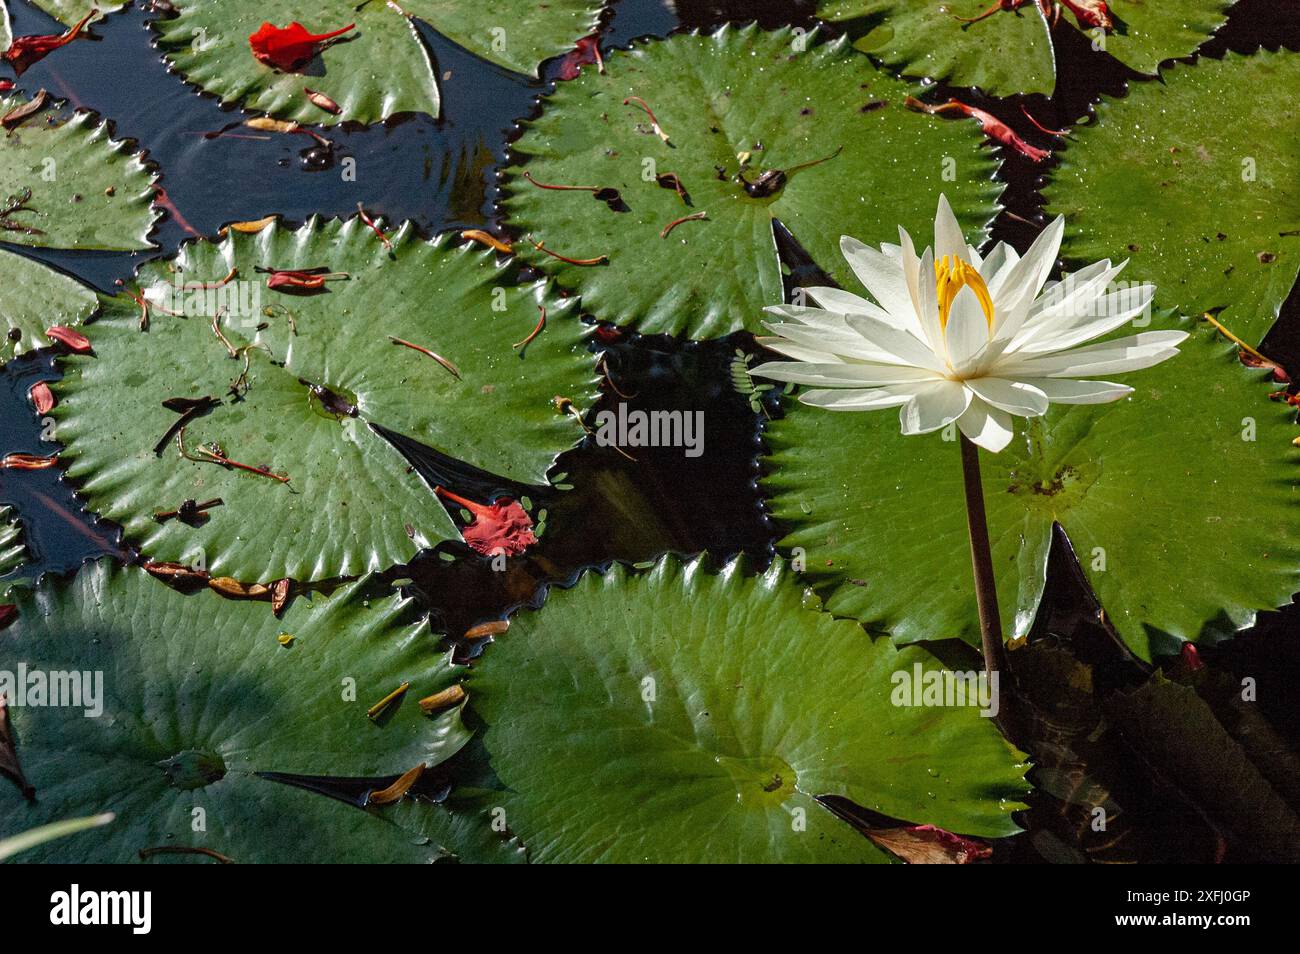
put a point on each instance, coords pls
(585, 52)
(1191, 658)
(26, 462)
(8, 613)
(992, 126)
(608, 334)
(928, 845)
(1091, 13)
(288, 47)
(72, 340)
(26, 50)
(309, 279)
(6, 85)
(499, 527)
(42, 397)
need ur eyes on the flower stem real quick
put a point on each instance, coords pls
(986, 593)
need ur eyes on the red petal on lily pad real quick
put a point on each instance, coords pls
(502, 526)
(928, 845)
(584, 53)
(42, 397)
(8, 613)
(993, 127)
(72, 340)
(26, 50)
(289, 47)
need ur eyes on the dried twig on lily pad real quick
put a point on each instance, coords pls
(212, 454)
(455, 371)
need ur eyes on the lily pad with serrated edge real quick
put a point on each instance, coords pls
(351, 502)
(682, 715)
(1179, 502)
(199, 696)
(1197, 180)
(1012, 51)
(783, 97)
(70, 11)
(12, 551)
(378, 70)
(33, 297)
(88, 190)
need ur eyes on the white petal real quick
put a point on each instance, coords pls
(948, 239)
(1101, 316)
(986, 426)
(861, 375)
(1065, 391)
(927, 305)
(997, 266)
(934, 406)
(880, 275)
(1084, 281)
(798, 352)
(1108, 357)
(842, 344)
(844, 303)
(1014, 397)
(870, 399)
(906, 348)
(1029, 274)
(968, 330)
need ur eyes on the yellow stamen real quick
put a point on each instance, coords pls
(951, 275)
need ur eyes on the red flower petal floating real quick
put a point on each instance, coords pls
(992, 126)
(584, 53)
(286, 48)
(26, 50)
(42, 397)
(502, 526)
(8, 613)
(72, 340)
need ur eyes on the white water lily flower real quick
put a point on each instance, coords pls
(951, 336)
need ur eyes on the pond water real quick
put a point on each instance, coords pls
(441, 174)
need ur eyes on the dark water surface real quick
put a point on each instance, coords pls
(441, 174)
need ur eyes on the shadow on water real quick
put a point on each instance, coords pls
(441, 174)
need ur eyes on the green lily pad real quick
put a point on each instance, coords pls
(462, 828)
(1135, 184)
(12, 551)
(736, 91)
(682, 715)
(351, 503)
(87, 190)
(516, 34)
(1011, 51)
(1177, 501)
(198, 697)
(34, 296)
(381, 68)
(1008, 53)
(70, 11)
